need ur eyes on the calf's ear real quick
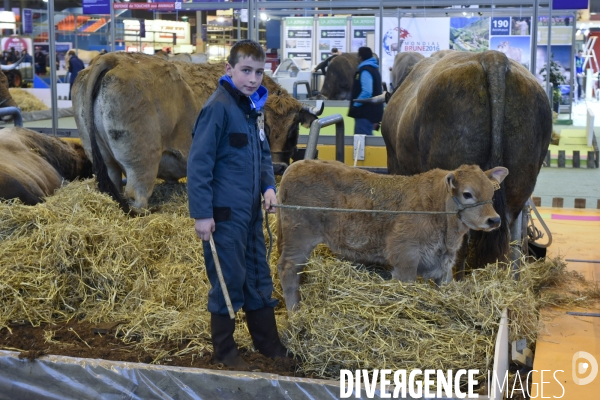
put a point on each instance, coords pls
(449, 180)
(498, 174)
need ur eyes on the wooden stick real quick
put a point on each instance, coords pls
(221, 279)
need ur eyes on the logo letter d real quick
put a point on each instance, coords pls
(582, 367)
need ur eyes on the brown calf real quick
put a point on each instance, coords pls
(412, 244)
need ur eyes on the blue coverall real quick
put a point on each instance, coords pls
(229, 167)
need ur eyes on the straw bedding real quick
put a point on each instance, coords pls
(77, 256)
(27, 101)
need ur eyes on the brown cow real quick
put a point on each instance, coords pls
(412, 244)
(472, 108)
(339, 77)
(6, 99)
(140, 111)
(34, 165)
(403, 64)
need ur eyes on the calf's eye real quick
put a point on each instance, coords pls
(467, 195)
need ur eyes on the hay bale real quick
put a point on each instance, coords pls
(27, 101)
(78, 256)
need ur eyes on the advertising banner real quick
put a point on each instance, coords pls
(27, 20)
(570, 4)
(473, 33)
(96, 6)
(500, 26)
(390, 44)
(298, 38)
(19, 43)
(424, 35)
(516, 48)
(159, 31)
(359, 28)
(331, 32)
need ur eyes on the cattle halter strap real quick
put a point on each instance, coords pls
(461, 207)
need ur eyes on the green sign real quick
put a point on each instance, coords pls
(363, 21)
(332, 21)
(303, 21)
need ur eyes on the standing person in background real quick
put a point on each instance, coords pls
(75, 66)
(229, 168)
(366, 84)
(579, 60)
(26, 57)
(323, 65)
(40, 61)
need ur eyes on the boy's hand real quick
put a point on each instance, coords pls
(204, 227)
(270, 199)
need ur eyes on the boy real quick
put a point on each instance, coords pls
(229, 167)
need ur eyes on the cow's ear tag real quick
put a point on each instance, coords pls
(495, 184)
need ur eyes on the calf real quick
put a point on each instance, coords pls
(412, 244)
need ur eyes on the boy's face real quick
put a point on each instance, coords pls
(247, 74)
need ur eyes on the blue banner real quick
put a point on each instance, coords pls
(500, 26)
(27, 20)
(570, 4)
(96, 6)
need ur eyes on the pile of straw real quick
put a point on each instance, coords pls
(27, 101)
(78, 256)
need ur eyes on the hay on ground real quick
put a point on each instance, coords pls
(27, 101)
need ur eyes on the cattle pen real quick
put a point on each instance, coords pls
(95, 303)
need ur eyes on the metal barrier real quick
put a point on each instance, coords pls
(15, 112)
(295, 88)
(315, 129)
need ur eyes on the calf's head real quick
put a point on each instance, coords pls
(471, 191)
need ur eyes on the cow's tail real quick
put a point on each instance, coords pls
(99, 68)
(495, 245)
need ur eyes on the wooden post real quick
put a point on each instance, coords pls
(579, 203)
(537, 201)
(598, 204)
(591, 163)
(576, 159)
(557, 202)
(561, 158)
(548, 159)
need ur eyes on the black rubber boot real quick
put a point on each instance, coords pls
(263, 329)
(225, 348)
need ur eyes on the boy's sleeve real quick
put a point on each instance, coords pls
(267, 177)
(207, 132)
(366, 87)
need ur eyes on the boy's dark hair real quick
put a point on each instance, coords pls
(365, 53)
(334, 50)
(246, 48)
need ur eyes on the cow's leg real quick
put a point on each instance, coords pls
(461, 259)
(405, 261)
(294, 254)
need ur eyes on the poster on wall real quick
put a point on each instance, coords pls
(331, 33)
(562, 30)
(390, 45)
(424, 35)
(561, 55)
(298, 38)
(470, 34)
(516, 48)
(361, 26)
(19, 43)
